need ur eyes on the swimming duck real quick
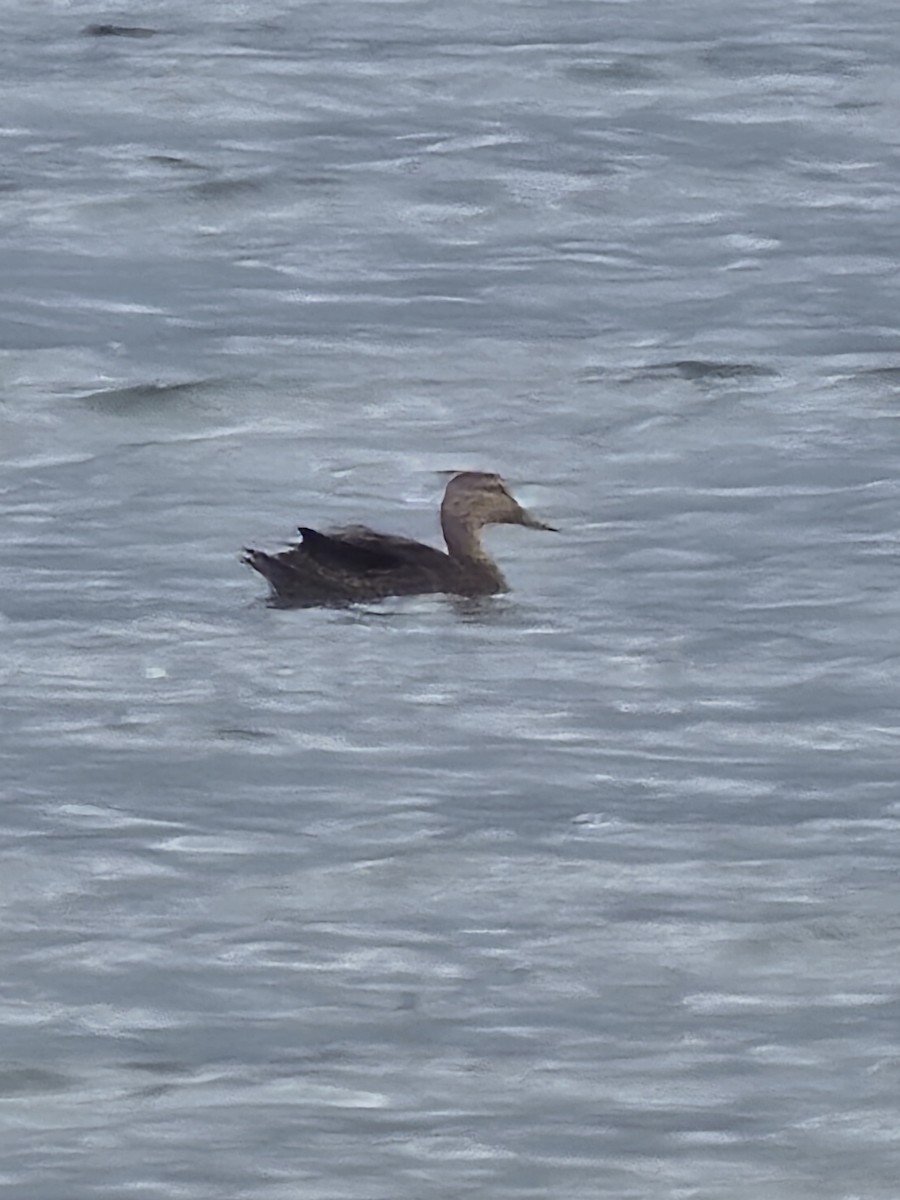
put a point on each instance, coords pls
(356, 563)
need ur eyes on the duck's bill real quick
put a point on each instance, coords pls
(531, 522)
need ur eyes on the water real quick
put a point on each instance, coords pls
(589, 890)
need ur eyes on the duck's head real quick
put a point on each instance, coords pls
(480, 498)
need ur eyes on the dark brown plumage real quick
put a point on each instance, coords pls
(356, 563)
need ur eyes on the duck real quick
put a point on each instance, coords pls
(354, 563)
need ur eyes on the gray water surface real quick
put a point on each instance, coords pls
(585, 891)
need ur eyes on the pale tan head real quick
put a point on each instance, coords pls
(477, 498)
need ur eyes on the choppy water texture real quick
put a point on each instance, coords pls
(587, 891)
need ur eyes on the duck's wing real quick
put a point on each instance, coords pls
(350, 563)
(403, 552)
(341, 553)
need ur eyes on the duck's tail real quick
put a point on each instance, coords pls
(282, 578)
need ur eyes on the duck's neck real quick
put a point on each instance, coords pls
(465, 548)
(461, 536)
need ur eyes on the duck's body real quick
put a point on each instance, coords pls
(358, 564)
